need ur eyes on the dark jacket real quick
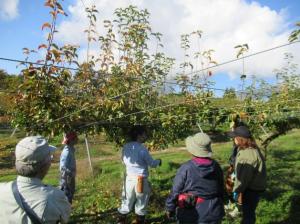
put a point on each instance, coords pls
(202, 180)
(233, 155)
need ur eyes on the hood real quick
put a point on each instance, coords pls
(205, 169)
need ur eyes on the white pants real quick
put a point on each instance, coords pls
(131, 198)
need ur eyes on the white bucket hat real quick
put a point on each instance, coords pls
(199, 145)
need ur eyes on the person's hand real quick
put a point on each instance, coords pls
(237, 197)
(230, 170)
(240, 199)
(69, 179)
(160, 162)
(170, 214)
(229, 184)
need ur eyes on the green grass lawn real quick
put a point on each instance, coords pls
(98, 196)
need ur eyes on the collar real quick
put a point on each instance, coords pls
(29, 180)
(70, 148)
(202, 160)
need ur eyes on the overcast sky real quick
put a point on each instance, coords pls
(261, 24)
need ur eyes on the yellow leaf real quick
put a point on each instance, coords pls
(46, 25)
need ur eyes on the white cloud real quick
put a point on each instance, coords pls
(9, 9)
(225, 24)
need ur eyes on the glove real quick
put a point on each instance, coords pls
(235, 196)
(160, 162)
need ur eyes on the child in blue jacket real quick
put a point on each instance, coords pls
(197, 193)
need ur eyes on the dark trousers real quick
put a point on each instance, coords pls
(250, 202)
(212, 222)
(67, 184)
(190, 216)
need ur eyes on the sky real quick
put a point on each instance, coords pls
(262, 24)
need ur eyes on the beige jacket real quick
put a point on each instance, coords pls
(49, 203)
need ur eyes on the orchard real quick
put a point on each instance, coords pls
(112, 92)
(129, 84)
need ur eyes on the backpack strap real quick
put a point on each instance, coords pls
(20, 201)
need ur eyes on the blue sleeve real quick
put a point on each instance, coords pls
(149, 160)
(178, 185)
(64, 161)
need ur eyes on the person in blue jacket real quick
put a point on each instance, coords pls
(68, 165)
(198, 189)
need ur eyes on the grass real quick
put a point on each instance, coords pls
(97, 197)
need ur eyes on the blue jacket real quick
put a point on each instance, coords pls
(137, 159)
(67, 161)
(205, 181)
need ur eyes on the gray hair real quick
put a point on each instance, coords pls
(31, 170)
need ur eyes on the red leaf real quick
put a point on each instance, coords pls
(46, 25)
(50, 4)
(40, 61)
(42, 46)
(53, 13)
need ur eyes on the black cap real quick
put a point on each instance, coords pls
(241, 131)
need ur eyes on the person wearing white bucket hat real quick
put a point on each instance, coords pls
(198, 188)
(199, 145)
(27, 199)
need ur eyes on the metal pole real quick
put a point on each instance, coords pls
(88, 152)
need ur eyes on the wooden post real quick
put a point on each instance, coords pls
(262, 128)
(88, 153)
(13, 133)
(265, 147)
(199, 127)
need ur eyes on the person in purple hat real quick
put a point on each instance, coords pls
(67, 165)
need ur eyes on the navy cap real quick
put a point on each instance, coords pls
(241, 131)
